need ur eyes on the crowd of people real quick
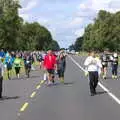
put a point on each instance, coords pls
(54, 63)
(51, 62)
(97, 66)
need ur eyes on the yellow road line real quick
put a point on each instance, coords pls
(24, 107)
(33, 94)
(38, 87)
(42, 81)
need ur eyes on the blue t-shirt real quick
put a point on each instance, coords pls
(2, 54)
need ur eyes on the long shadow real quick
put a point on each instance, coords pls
(69, 83)
(24, 78)
(109, 77)
(63, 84)
(101, 92)
(17, 79)
(9, 98)
(34, 76)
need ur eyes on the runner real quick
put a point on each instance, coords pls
(114, 60)
(33, 61)
(17, 65)
(93, 66)
(40, 59)
(50, 66)
(61, 65)
(1, 77)
(104, 59)
(9, 63)
(27, 64)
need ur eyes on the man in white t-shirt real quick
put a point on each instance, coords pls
(93, 65)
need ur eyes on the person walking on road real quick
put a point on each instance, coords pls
(92, 64)
(105, 60)
(17, 65)
(27, 64)
(1, 77)
(114, 60)
(61, 66)
(50, 64)
(40, 59)
(9, 60)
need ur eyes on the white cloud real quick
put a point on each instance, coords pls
(101, 4)
(115, 4)
(88, 9)
(22, 0)
(53, 31)
(76, 21)
(82, 6)
(69, 37)
(31, 4)
(43, 21)
(79, 32)
(96, 5)
(25, 16)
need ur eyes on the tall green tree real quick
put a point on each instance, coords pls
(54, 46)
(104, 33)
(15, 34)
(78, 44)
(9, 24)
(34, 36)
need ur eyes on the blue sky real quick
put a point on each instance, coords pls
(65, 19)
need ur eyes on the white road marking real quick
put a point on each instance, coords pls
(101, 85)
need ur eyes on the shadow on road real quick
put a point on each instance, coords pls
(69, 83)
(102, 92)
(34, 76)
(9, 98)
(64, 84)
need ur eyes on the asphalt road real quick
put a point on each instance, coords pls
(69, 101)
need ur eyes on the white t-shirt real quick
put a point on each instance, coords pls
(92, 64)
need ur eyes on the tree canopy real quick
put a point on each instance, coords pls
(103, 34)
(15, 34)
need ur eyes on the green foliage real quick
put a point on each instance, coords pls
(104, 33)
(71, 47)
(78, 44)
(17, 35)
(54, 46)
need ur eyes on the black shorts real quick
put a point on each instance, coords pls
(17, 70)
(60, 73)
(50, 71)
(9, 68)
(104, 66)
